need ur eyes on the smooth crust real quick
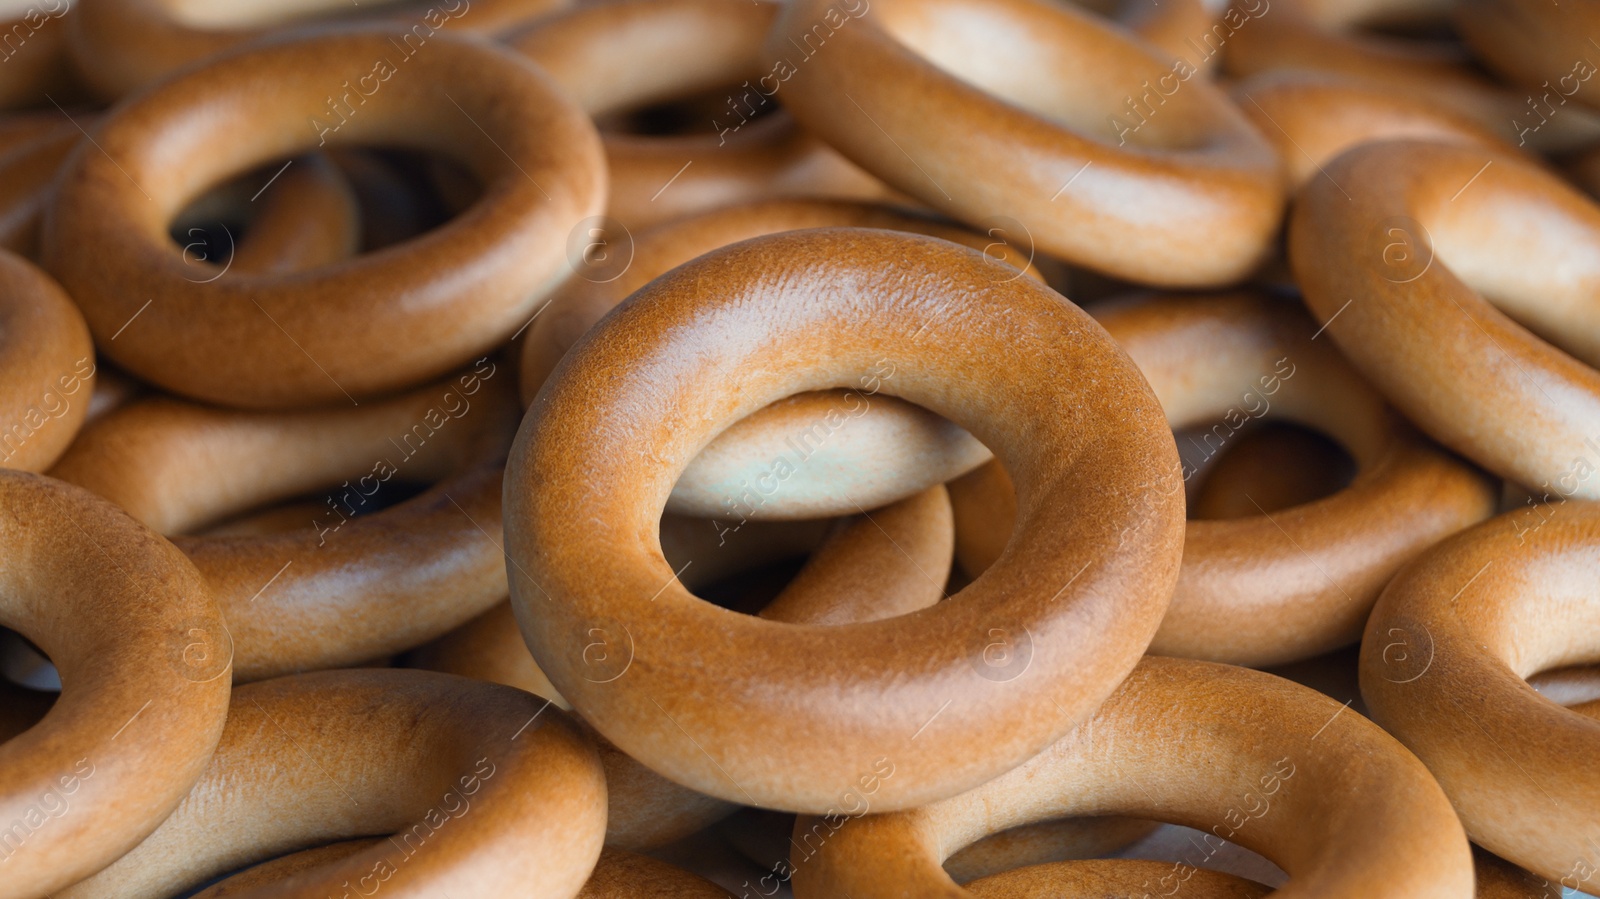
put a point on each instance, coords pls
(482, 787)
(338, 588)
(1287, 772)
(1442, 668)
(47, 367)
(625, 54)
(793, 715)
(1407, 238)
(346, 331)
(1287, 585)
(875, 565)
(1184, 193)
(1331, 37)
(1310, 117)
(144, 658)
(121, 45)
(862, 448)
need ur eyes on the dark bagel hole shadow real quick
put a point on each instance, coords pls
(401, 194)
(690, 115)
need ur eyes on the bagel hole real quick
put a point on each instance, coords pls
(1334, 674)
(25, 666)
(1186, 845)
(399, 193)
(740, 567)
(1082, 838)
(748, 592)
(442, 187)
(690, 115)
(1270, 465)
(1570, 685)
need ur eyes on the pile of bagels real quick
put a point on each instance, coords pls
(832, 449)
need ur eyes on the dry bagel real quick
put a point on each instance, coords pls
(783, 323)
(342, 332)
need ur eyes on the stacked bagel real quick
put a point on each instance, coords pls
(822, 448)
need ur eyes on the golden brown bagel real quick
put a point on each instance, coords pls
(144, 660)
(623, 54)
(1114, 879)
(121, 45)
(796, 716)
(1392, 250)
(1273, 587)
(1311, 117)
(1327, 36)
(485, 790)
(1289, 773)
(858, 448)
(47, 365)
(889, 562)
(618, 875)
(1111, 155)
(623, 875)
(1043, 843)
(341, 588)
(342, 332)
(1442, 668)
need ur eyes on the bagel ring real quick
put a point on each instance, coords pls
(628, 53)
(1173, 187)
(1327, 36)
(1395, 275)
(618, 875)
(874, 565)
(807, 311)
(482, 787)
(122, 45)
(340, 588)
(869, 450)
(342, 332)
(1322, 792)
(47, 363)
(1273, 587)
(1442, 668)
(1311, 117)
(144, 657)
